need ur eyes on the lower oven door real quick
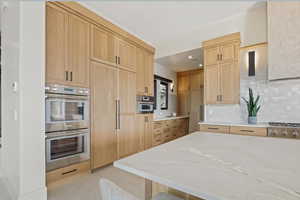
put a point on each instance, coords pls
(67, 149)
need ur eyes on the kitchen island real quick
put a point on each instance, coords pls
(222, 166)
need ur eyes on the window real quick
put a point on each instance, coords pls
(163, 95)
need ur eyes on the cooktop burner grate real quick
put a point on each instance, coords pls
(284, 124)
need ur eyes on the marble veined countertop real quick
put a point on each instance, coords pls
(170, 118)
(259, 125)
(223, 166)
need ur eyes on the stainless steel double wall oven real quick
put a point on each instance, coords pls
(67, 126)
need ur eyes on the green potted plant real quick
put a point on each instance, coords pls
(252, 106)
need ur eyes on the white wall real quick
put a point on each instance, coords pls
(252, 25)
(165, 72)
(23, 142)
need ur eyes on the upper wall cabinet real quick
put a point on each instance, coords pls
(144, 70)
(126, 54)
(56, 71)
(221, 70)
(103, 46)
(67, 49)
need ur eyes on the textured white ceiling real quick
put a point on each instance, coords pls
(162, 23)
(181, 62)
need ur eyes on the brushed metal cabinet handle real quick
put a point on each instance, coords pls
(68, 172)
(213, 128)
(67, 75)
(116, 59)
(248, 131)
(117, 115)
(71, 76)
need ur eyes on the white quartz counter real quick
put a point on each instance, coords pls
(223, 167)
(259, 125)
(170, 118)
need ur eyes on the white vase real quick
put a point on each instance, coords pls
(252, 120)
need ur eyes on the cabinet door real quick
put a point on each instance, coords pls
(127, 55)
(78, 51)
(227, 52)
(140, 129)
(149, 74)
(183, 103)
(140, 72)
(229, 82)
(211, 56)
(56, 46)
(183, 82)
(103, 114)
(103, 46)
(196, 80)
(148, 131)
(212, 84)
(128, 138)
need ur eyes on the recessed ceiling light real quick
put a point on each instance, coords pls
(200, 65)
(190, 57)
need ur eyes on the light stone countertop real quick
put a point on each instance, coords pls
(222, 166)
(258, 125)
(170, 118)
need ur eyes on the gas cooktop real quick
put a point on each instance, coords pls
(285, 124)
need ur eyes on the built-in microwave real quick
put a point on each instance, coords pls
(145, 104)
(66, 108)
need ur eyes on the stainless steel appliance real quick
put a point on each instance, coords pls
(145, 104)
(67, 108)
(67, 126)
(66, 148)
(284, 130)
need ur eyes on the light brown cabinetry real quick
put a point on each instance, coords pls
(144, 71)
(190, 96)
(128, 138)
(221, 70)
(103, 46)
(144, 124)
(103, 116)
(65, 172)
(234, 129)
(126, 54)
(67, 44)
(245, 130)
(168, 130)
(214, 128)
(56, 71)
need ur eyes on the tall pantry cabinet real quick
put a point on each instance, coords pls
(85, 50)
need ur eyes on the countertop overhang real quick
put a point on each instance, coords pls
(170, 118)
(222, 166)
(258, 125)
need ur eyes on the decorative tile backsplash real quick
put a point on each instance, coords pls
(280, 100)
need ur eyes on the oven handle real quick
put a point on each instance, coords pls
(65, 136)
(62, 96)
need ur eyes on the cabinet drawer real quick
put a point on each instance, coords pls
(244, 130)
(58, 174)
(157, 125)
(214, 128)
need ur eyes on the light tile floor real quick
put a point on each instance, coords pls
(86, 187)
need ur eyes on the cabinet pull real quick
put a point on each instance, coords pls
(248, 131)
(209, 128)
(71, 76)
(218, 98)
(146, 119)
(119, 60)
(221, 57)
(221, 97)
(117, 115)
(68, 172)
(116, 59)
(67, 75)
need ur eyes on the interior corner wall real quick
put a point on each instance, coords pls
(165, 72)
(23, 72)
(251, 24)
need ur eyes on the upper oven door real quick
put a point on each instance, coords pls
(66, 112)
